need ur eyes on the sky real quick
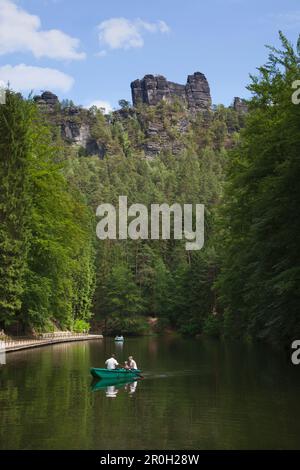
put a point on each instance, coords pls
(90, 51)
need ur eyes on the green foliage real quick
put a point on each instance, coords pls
(46, 232)
(16, 156)
(123, 295)
(157, 278)
(66, 104)
(124, 104)
(80, 326)
(213, 325)
(259, 281)
(129, 326)
(244, 282)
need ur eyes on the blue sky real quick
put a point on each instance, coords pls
(91, 50)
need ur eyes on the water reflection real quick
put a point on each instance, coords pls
(131, 388)
(205, 394)
(111, 391)
(119, 346)
(2, 353)
(113, 386)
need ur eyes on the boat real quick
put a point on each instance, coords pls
(123, 374)
(119, 339)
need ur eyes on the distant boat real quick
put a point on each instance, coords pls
(119, 339)
(109, 374)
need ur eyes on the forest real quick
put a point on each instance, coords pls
(245, 169)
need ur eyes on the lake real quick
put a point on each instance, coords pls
(196, 394)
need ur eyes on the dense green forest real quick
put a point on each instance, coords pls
(244, 169)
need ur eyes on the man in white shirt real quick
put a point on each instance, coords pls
(111, 363)
(132, 363)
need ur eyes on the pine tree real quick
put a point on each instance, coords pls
(16, 153)
(259, 282)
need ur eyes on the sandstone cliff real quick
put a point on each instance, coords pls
(162, 116)
(74, 122)
(195, 94)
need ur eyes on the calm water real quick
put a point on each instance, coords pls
(196, 394)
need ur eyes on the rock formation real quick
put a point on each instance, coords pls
(162, 128)
(240, 105)
(74, 123)
(152, 89)
(47, 101)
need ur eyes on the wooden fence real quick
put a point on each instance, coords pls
(14, 344)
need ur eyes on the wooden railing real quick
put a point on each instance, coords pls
(44, 338)
(60, 334)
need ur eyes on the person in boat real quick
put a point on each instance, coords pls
(132, 363)
(112, 363)
(126, 365)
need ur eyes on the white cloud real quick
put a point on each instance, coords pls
(21, 32)
(24, 77)
(288, 20)
(101, 53)
(100, 104)
(121, 33)
(163, 27)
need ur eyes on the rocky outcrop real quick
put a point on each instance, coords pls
(195, 95)
(48, 102)
(240, 105)
(198, 92)
(74, 122)
(158, 139)
(152, 129)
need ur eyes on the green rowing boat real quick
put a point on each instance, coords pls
(115, 373)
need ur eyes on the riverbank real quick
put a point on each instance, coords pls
(11, 345)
